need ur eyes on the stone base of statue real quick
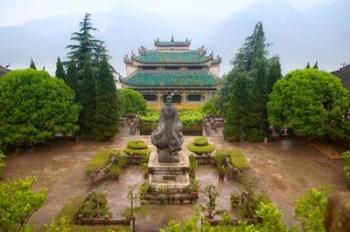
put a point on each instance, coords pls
(169, 182)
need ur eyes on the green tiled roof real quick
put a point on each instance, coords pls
(151, 56)
(170, 79)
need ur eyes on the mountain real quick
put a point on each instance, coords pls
(298, 37)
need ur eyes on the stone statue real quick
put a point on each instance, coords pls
(167, 137)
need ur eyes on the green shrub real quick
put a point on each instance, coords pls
(144, 188)
(193, 164)
(132, 101)
(220, 161)
(194, 186)
(346, 163)
(201, 141)
(18, 202)
(200, 146)
(34, 108)
(187, 117)
(137, 147)
(238, 160)
(95, 206)
(310, 210)
(70, 209)
(101, 160)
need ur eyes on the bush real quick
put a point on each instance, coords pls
(18, 202)
(200, 146)
(311, 102)
(238, 160)
(193, 164)
(346, 163)
(34, 108)
(111, 162)
(220, 161)
(194, 186)
(94, 206)
(211, 108)
(137, 147)
(310, 210)
(187, 117)
(132, 102)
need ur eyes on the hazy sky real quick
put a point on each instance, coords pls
(19, 11)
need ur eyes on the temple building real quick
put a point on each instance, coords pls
(191, 75)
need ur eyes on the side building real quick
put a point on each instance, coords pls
(191, 75)
(344, 75)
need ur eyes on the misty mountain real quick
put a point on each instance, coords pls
(296, 36)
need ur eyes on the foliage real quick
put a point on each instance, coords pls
(32, 64)
(346, 163)
(137, 147)
(193, 164)
(191, 117)
(144, 188)
(18, 202)
(187, 117)
(87, 46)
(194, 186)
(244, 93)
(200, 146)
(59, 225)
(132, 102)
(2, 164)
(35, 107)
(72, 78)
(106, 114)
(310, 209)
(95, 206)
(311, 102)
(211, 195)
(220, 161)
(86, 97)
(60, 73)
(211, 107)
(109, 160)
(238, 160)
(271, 218)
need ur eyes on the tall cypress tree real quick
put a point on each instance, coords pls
(60, 73)
(86, 44)
(315, 65)
(32, 64)
(86, 96)
(252, 64)
(107, 112)
(72, 77)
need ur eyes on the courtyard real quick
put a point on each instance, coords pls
(285, 169)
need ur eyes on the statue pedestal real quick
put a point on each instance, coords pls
(169, 181)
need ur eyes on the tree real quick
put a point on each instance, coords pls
(312, 103)
(72, 78)
(32, 64)
(210, 204)
(310, 210)
(308, 65)
(315, 66)
(60, 73)
(246, 88)
(133, 102)
(87, 45)
(87, 98)
(107, 111)
(35, 107)
(18, 203)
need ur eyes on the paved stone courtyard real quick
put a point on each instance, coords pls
(286, 169)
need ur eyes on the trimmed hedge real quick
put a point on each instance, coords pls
(200, 146)
(137, 147)
(109, 162)
(235, 157)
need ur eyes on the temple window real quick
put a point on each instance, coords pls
(148, 67)
(171, 67)
(150, 97)
(194, 97)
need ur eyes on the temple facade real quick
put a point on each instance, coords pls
(191, 75)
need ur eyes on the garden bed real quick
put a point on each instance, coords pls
(192, 121)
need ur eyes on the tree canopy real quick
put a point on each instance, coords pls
(60, 73)
(32, 64)
(133, 102)
(245, 89)
(34, 108)
(312, 103)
